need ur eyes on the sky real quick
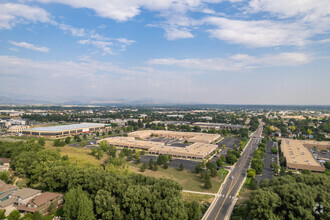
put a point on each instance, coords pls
(180, 51)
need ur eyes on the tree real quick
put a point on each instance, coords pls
(77, 205)
(14, 215)
(207, 183)
(231, 159)
(2, 214)
(214, 172)
(4, 176)
(155, 168)
(251, 173)
(85, 136)
(257, 165)
(41, 141)
(67, 140)
(181, 168)
(106, 205)
(198, 168)
(151, 164)
(253, 184)
(165, 166)
(143, 167)
(274, 167)
(274, 150)
(327, 165)
(219, 162)
(194, 210)
(97, 134)
(162, 159)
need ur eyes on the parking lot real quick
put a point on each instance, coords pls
(267, 172)
(168, 141)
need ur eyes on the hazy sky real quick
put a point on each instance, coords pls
(205, 51)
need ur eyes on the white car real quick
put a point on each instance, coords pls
(232, 177)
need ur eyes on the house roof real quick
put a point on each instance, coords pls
(44, 197)
(5, 160)
(25, 208)
(26, 193)
(6, 187)
(7, 202)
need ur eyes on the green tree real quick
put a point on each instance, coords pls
(77, 205)
(194, 210)
(85, 136)
(207, 183)
(231, 159)
(151, 164)
(67, 140)
(41, 141)
(181, 168)
(4, 176)
(97, 134)
(274, 150)
(219, 162)
(2, 214)
(257, 165)
(106, 206)
(14, 215)
(198, 168)
(143, 167)
(251, 173)
(162, 159)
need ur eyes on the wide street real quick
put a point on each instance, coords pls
(219, 209)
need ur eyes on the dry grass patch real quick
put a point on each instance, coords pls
(189, 180)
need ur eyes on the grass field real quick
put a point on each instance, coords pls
(203, 199)
(78, 155)
(189, 180)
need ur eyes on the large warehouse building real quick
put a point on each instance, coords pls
(298, 157)
(64, 130)
(199, 149)
(189, 136)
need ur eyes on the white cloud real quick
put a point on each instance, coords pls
(103, 45)
(308, 10)
(76, 32)
(89, 78)
(11, 14)
(173, 33)
(262, 33)
(29, 46)
(238, 62)
(174, 12)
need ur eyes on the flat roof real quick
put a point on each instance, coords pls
(190, 136)
(298, 156)
(66, 127)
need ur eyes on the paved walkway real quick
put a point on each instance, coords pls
(203, 193)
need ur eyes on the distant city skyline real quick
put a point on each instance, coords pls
(175, 51)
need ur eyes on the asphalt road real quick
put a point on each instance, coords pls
(231, 187)
(267, 172)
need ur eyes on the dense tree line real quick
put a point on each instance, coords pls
(288, 197)
(95, 192)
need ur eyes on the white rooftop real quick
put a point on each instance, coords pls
(67, 127)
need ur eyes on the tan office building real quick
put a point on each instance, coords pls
(298, 157)
(198, 150)
(189, 136)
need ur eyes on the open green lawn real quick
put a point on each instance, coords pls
(189, 180)
(79, 155)
(246, 183)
